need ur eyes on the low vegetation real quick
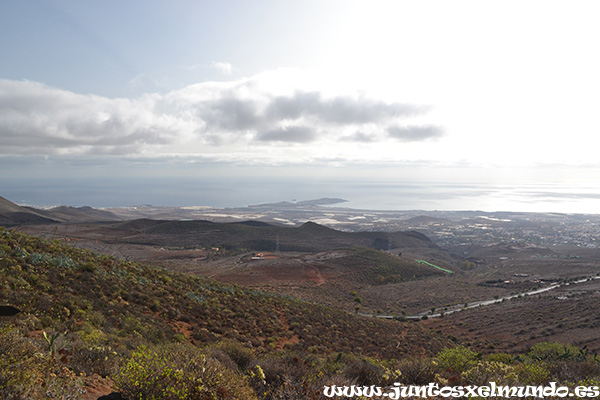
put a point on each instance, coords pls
(106, 301)
(162, 335)
(378, 267)
(229, 370)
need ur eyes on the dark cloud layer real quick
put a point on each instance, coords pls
(231, 113)
(339, 109)
(37, 119)
(414, 133)
(292, 134)
(360, 137)
(228, 111)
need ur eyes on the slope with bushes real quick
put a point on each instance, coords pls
(162, 335)
(102, 308)
(106, 300)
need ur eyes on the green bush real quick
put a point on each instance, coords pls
(552, 351)
(533, 374)
(457, 359)
(485, 372)
(146, 375)
(179, 372)
(501, 357)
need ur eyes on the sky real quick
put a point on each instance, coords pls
(489, 105)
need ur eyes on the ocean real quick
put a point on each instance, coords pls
(369, 194)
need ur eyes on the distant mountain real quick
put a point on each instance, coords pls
(79, 214)
(12, 214)
(305, 203)
(7, 206)
(309, 237)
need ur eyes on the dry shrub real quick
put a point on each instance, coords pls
(91, 360)
(573, 371)
(364, 372)
(242, 356)
(29, 371)
(223, 358)
(417, 371)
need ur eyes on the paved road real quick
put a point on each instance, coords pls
(460, 307)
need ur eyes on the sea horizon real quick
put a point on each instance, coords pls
(373, 195)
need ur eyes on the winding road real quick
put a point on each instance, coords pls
(459, 307)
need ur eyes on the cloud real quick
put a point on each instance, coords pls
(231, 109)
(230, 113)
(233, 116)
(292, 134)
(37, 119)
(360, 137)
(413, 133)
(253, 106)
(338, 109)
(223, 67)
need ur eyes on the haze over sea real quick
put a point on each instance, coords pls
(387, 104)
(372, 195)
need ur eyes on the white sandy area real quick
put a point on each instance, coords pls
(284, 221)
(327, 221)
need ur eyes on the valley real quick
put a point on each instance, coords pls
(287, 284)
(493, 255)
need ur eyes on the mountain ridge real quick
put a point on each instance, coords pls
(12, 214)
(308, 237)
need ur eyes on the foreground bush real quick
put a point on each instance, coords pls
(29, 371)
(457, 359)
(417, 371)
(179, 372)
(485, 372)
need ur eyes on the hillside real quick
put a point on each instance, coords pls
(12, 214)
(354, 265)
(90, 324)
(100, 296)
(314, 262)
(257, 236)
(95, 300)
(78, 214)
(326, 277)
(567, 315)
